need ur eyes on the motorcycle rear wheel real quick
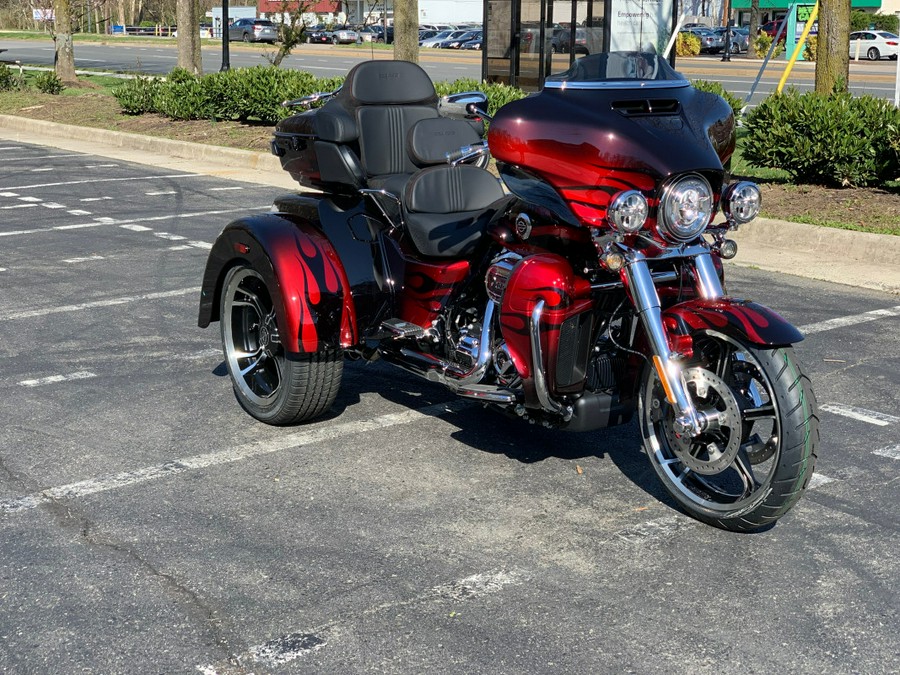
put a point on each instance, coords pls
(272, 388)
(756, 459)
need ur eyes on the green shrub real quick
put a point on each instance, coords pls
(48, 83)
(9, 81)
(687, 44)
(862, 20)
(138, 96)
(716, 88)
(181, 97)
(763, 42)
(836, 139)
(810, 49)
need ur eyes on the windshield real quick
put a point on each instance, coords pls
(620, 70)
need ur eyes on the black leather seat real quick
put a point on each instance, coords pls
(383, 131)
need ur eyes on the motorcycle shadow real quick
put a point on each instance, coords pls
(494, 432)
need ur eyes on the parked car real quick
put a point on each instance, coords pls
(710, 42)
(586, 41)
(381, 36)
(318, 35)
(426, 34)
(437, 27)
(253, 30)
(472, 44)
(689, 26)
(344, 36)
(873, 45)
(740, 38)
(770, 28)
(455, 43)
(438, 39)
(366, 34)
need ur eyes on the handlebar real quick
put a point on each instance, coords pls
(467, 152)
(308, 101)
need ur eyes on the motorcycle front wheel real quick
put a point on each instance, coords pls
(757, 454)
(268, 385)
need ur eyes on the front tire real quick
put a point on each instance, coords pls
(268, 385)
(873, 54)
(758, 453)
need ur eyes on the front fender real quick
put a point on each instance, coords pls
(309, 287)
(735, 318)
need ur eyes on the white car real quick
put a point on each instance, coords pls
(873, 45)
(440, 37)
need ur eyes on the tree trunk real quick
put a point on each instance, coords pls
(64, 58)
(188, 20)
(406, 30)
(833, 50)
(754, 29)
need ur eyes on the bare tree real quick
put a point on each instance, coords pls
(754, 29)
(833, 52)
(406, 30)
(64, 58)
(291, 29)
(188, 13)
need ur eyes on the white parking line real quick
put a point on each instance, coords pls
(169, 236)
(136, 228)
(30, 199)
(201, 244)
(85, 259)
(157, 194)
(852, 320)
(53, 379)
(18, 206)
(891, 452)
(99, 180)
(818, 480)
(94, 199)
(26, 159)
(52, 205)
(78, 212)
(44, 169)
(327, 431)
(111, 302)
(9, 194)
(860, 414)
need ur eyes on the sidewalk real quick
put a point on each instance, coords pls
(840, 256)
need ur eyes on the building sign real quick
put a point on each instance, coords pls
(640, 25)
(42, 14)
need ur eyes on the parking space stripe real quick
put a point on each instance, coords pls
(860, 414)
(327, 431)
(9, 194)
(26, 159)
(54, 379)
(101, 180)
(111, 302)
(852, 320)
(818, 480)
(157, 194)
(94, 199)
(18, 206)
(891, 452)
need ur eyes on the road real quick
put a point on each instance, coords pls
(159, 56)
(148, 524)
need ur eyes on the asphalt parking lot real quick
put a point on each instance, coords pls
(147, 524)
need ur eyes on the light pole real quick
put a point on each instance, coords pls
(226, 57)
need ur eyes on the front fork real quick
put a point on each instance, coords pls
(639, 281)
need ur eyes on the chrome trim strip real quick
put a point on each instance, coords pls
(617, 84)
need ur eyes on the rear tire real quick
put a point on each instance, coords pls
(246, 37)
(756, 458)
(269, 386)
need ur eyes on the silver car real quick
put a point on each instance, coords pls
(709, 42)
(344, 36)
(253, 30)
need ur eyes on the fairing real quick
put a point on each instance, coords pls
(592, 138)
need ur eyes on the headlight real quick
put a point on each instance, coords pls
(628, 211)
(741, 202)
(685, 209)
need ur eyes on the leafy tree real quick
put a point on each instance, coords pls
(291, 29)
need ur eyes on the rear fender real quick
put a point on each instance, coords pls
(309, 287)
(754, 323)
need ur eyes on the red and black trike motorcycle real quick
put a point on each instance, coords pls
(581, 287)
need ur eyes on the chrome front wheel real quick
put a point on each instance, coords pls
(268, 385)
(758, 448)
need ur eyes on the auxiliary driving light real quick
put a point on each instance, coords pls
(741, 202)
(728, 249)
(628, 211)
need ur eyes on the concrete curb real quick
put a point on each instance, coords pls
(827, 254)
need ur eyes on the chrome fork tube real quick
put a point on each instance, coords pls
(646, 300)
(707, 280)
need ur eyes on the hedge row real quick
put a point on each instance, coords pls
(836, 139)
(256, 93)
